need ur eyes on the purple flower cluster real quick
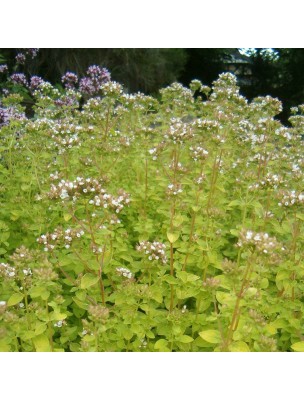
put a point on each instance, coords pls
(25, 54)
(97, 76)
(66, 101)
(4, 117)
(86, 86)
(35, 82)
(6, 114)
(18, 79)
(3, 68)
(20, 58)
(69, 79)
(32, 52)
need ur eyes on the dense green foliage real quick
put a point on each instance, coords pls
(136, 224)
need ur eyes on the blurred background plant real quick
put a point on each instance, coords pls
(260, 71)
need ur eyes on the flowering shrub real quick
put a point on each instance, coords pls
(136, 224)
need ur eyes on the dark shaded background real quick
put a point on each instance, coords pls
(278, 72)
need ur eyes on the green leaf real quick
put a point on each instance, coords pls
(40, 328)
(184, 293)
(156, 294)
(161, 345)
(185, 339)
(211, 336)
(67, 217)
(264, 283)
(170, 279)
(239, 347)
(225, 298)
(300, 216)
(178, 220)
(45, 295)
(28, 335)
(270, 328)
(186, 277)
(88, 280)
(39, 291)
(80, 304)
(4, 347)
(15, 299)
(172, 236)
(41, 343)
(234, 203)
(299, 346)
(57, 316)
(252, 291)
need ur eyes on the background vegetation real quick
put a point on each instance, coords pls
(277, 72)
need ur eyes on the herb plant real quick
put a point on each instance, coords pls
(132, 223)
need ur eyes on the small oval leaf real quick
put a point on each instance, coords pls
(299, 346)
(239, 347)
(88, 280)
(185, 339)
(15, 299)
(211, 336)
(172, 236)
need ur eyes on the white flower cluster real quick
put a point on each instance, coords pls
(259, 240)
(65, 135)
(27, 272)
(59, 236)
(225, 88)
(112, 88)
(124, 272)
(155, 151)
(7, 270)
(285, 134)
(290, 198)
(93, 104)
(178, 167)
(154, 250)
(196, 85)
(272, 106)
(226, 79)
(272, 181)
(177, 95)
(297, 121)
(244, 126)
(40, 124)
(198, 153)
(138, 101)
(174, 189)
(97, 249)
(55, 176)
(73, 189)
(179, 131)
(114, 220)
(109, 201)
(59, 324)
(200, 179)
(296, 169)
(208, 125)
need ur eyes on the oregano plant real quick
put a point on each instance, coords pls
(133, 223)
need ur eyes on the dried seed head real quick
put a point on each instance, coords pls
(98, 313)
